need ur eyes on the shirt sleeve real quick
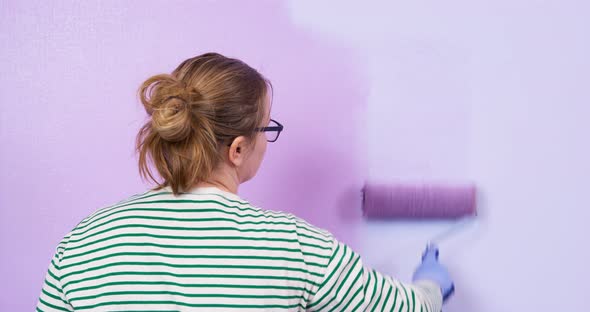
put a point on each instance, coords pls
(349, 286)
(52, 296)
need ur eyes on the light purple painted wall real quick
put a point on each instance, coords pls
(69, 72)
(494, 92)
(489, 91)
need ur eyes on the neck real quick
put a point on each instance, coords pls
(223, 178)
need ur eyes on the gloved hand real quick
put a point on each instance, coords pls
(430, 269)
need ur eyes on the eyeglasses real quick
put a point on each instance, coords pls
(272, 131)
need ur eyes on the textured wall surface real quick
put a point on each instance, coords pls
(493, 92)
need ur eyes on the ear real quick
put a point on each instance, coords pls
(237, 151)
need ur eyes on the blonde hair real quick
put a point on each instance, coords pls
(206, 102)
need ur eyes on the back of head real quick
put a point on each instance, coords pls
(204, 104)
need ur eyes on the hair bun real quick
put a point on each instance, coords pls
(170, 104)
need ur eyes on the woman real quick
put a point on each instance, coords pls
(192, 243)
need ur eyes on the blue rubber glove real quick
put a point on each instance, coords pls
(430, 269)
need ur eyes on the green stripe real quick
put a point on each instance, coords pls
(197, 220)
(55, 266)
(53, 286)
(367, 283)
(336, 282)
(331, 273)
(103, 210)
(395, 298)
(380, 294)
(53, 296)
(138, 195)
(357, 305)
(185, 247)
(267, 214)
(330, 261)
(51, 273)
(323, 233)
(205, 201)
(176, 237)
(158, 254)
(52, 305)
(143, 310)
(266, 277)
(385, 300)
(352, 299)
(328, 240)
(241, 306)
(178, 228)
(219, 195)
(191, 266)
(346, 277)
(164, 292)
(401, 307)
(183, 201)
(315, 246)
(374, 274)
(406, 294)
(351, 284)
(191, 220)
(141, 196)
(246, 286)
(183, 211)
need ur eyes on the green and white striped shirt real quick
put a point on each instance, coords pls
(209, 250)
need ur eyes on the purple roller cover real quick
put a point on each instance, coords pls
(418, 201)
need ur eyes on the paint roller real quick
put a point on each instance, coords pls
(420, 201)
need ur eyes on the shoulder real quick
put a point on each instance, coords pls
(302, 227)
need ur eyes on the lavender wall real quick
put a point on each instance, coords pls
(493, 92)
(69, 114)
